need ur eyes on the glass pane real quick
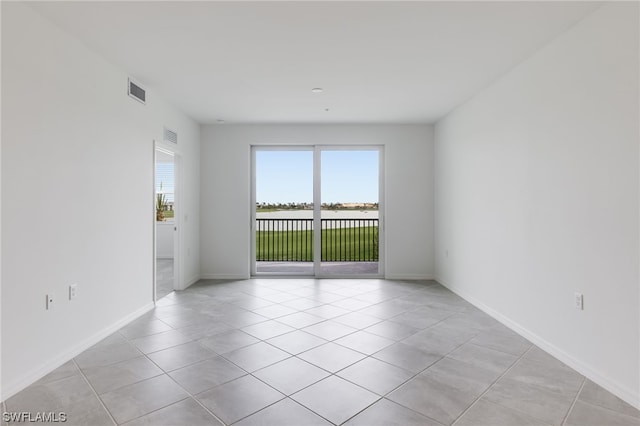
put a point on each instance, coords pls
(349, 212)
(284, 212)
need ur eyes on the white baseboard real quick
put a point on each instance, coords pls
(189, 282)
(623, 392)
(409, 277)
(30, 377)
(224, 277)
(412, 277)
(192, 281)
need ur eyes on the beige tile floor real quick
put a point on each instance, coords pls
(319, 352)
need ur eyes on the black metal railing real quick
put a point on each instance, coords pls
(342, 240)
(287, 240)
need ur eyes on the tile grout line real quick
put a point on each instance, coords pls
(311, 384)
(410, 378)
(575, 399)
(385, 395)
(420, 372)
(365, 408)
(333, 341)
(94, 392)
(130, 384)
(475, 401)
(166, 373)
(282, 399)
(190, 396)
(247, 374)
(400, 341)
(602, 407)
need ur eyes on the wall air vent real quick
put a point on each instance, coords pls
(170, 136)
(137, 92)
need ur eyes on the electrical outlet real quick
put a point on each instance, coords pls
(579, 301)
(73, 291)
(50, 298)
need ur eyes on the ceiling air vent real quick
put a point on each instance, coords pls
(137, 92)
(170, 136)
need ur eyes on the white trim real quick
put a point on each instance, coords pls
(279, 276)
(30, 377)
(178, 223)
(252, 233)
(168, 146)
(381, 207)
(178, 264)
(349, 277)
(382, 210)
(413, 277)
(317, 209)
(191, 281)
(224, 277)
(154, 236)
(623, 392)
(165, 151)
(317, 150)
(252, 216)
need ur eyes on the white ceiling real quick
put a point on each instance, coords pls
(390, 62)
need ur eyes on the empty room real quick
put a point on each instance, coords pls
(320, 213)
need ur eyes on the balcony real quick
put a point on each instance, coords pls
(347, 245)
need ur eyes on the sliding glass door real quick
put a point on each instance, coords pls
(349, 212)
(317, 211)
(283, 240)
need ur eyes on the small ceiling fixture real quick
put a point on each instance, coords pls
(316, 90)
(326, 109)
(220, 121)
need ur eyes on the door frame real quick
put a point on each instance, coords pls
(317, 200)
(178, 222)
(252, 203)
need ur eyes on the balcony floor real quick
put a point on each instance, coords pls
(326, 268)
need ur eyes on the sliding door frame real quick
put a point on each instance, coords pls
(317, 201)
(178, 258)
(252, 219)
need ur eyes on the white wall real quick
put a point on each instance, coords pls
(164, 240)
(71, 138)
(537, 198)
(226, 183)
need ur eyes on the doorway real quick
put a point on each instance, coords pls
(317, 211)
(166, 208)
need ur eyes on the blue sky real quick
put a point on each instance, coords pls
(287, 176)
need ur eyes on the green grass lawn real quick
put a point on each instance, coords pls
(338, 245)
